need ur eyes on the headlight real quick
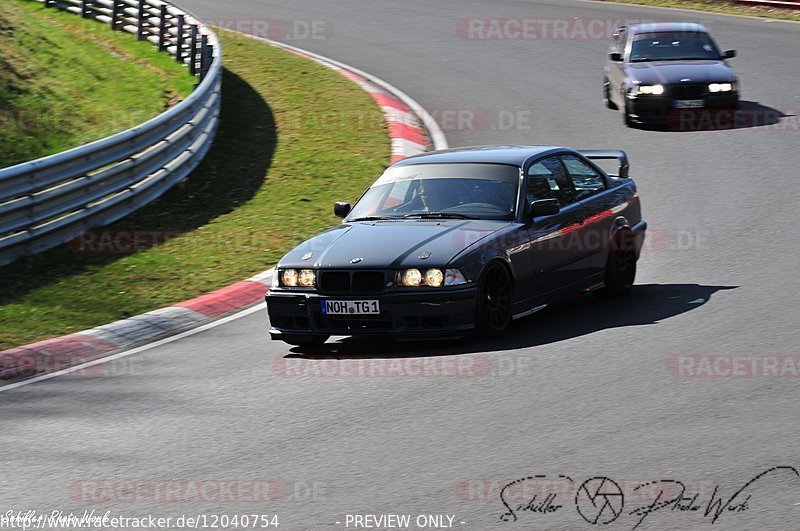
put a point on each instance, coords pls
(655, 90)
(306, 278)
(289, 277)
(410, 278)
(720, 87)
(433, 278)
(453, 277)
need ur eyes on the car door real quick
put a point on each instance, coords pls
(599, 203)
(553, 258)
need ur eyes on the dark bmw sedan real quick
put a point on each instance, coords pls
(462, 240)
(657, 68)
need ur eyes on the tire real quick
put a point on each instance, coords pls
(626, 116)
(304, 341)
(493, 304)
(607, 94)
(620, 272)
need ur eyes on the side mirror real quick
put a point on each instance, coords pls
(341, 209)
(615, 56)
(545, 207)
(729, 54)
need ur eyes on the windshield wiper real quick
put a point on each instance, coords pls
(373, 218)
(439, 215)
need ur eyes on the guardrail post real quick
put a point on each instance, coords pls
(85, 7)
(114, 14)
(193, 50)
(162, 29)
(205, 52)
(141, 34)
(179, 39)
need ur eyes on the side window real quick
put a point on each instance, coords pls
(547, 180)
(618, 41)
(587, 180)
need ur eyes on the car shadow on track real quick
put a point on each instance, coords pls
(749, 114)
(577, 316)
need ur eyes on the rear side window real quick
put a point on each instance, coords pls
(587, 180)
(548, 180)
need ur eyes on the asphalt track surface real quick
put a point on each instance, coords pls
(582, 389)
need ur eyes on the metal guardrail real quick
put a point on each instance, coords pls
(772, 3)
(49, 201)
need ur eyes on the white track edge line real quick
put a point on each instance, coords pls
(142, 348)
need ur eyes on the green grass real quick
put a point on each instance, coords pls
(721, 6)
(65, 81)
(295, 136)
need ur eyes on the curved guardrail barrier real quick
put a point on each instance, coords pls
(49, 201)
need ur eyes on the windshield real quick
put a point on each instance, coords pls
(459, 191)
(673, 46)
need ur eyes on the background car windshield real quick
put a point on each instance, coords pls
(672, 46)
(470, 195)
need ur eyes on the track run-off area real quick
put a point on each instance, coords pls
(691, 379)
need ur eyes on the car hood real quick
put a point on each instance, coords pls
(390, 244)
(676, 72)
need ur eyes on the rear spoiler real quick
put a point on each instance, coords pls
(600, 154)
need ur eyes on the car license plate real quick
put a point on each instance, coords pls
(689, 104)
(350, 307)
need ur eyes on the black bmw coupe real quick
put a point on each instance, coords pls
(658, 68)
(462, 240)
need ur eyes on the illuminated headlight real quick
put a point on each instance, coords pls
(410, 278)
(720, 87)
(655, 90)
(289, 277)
(433, 278)
(306, 278)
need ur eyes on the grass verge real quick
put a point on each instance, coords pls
(720, 6)
(66, 81)
(294, 137)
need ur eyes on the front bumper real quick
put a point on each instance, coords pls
(647, 108)
(448, 311)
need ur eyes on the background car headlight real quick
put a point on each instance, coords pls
(720, 87)
(289, 277)
(655, 90)
(307, 278)
(410, 277)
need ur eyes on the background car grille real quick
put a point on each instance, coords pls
(352, 281)
(686, 91)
